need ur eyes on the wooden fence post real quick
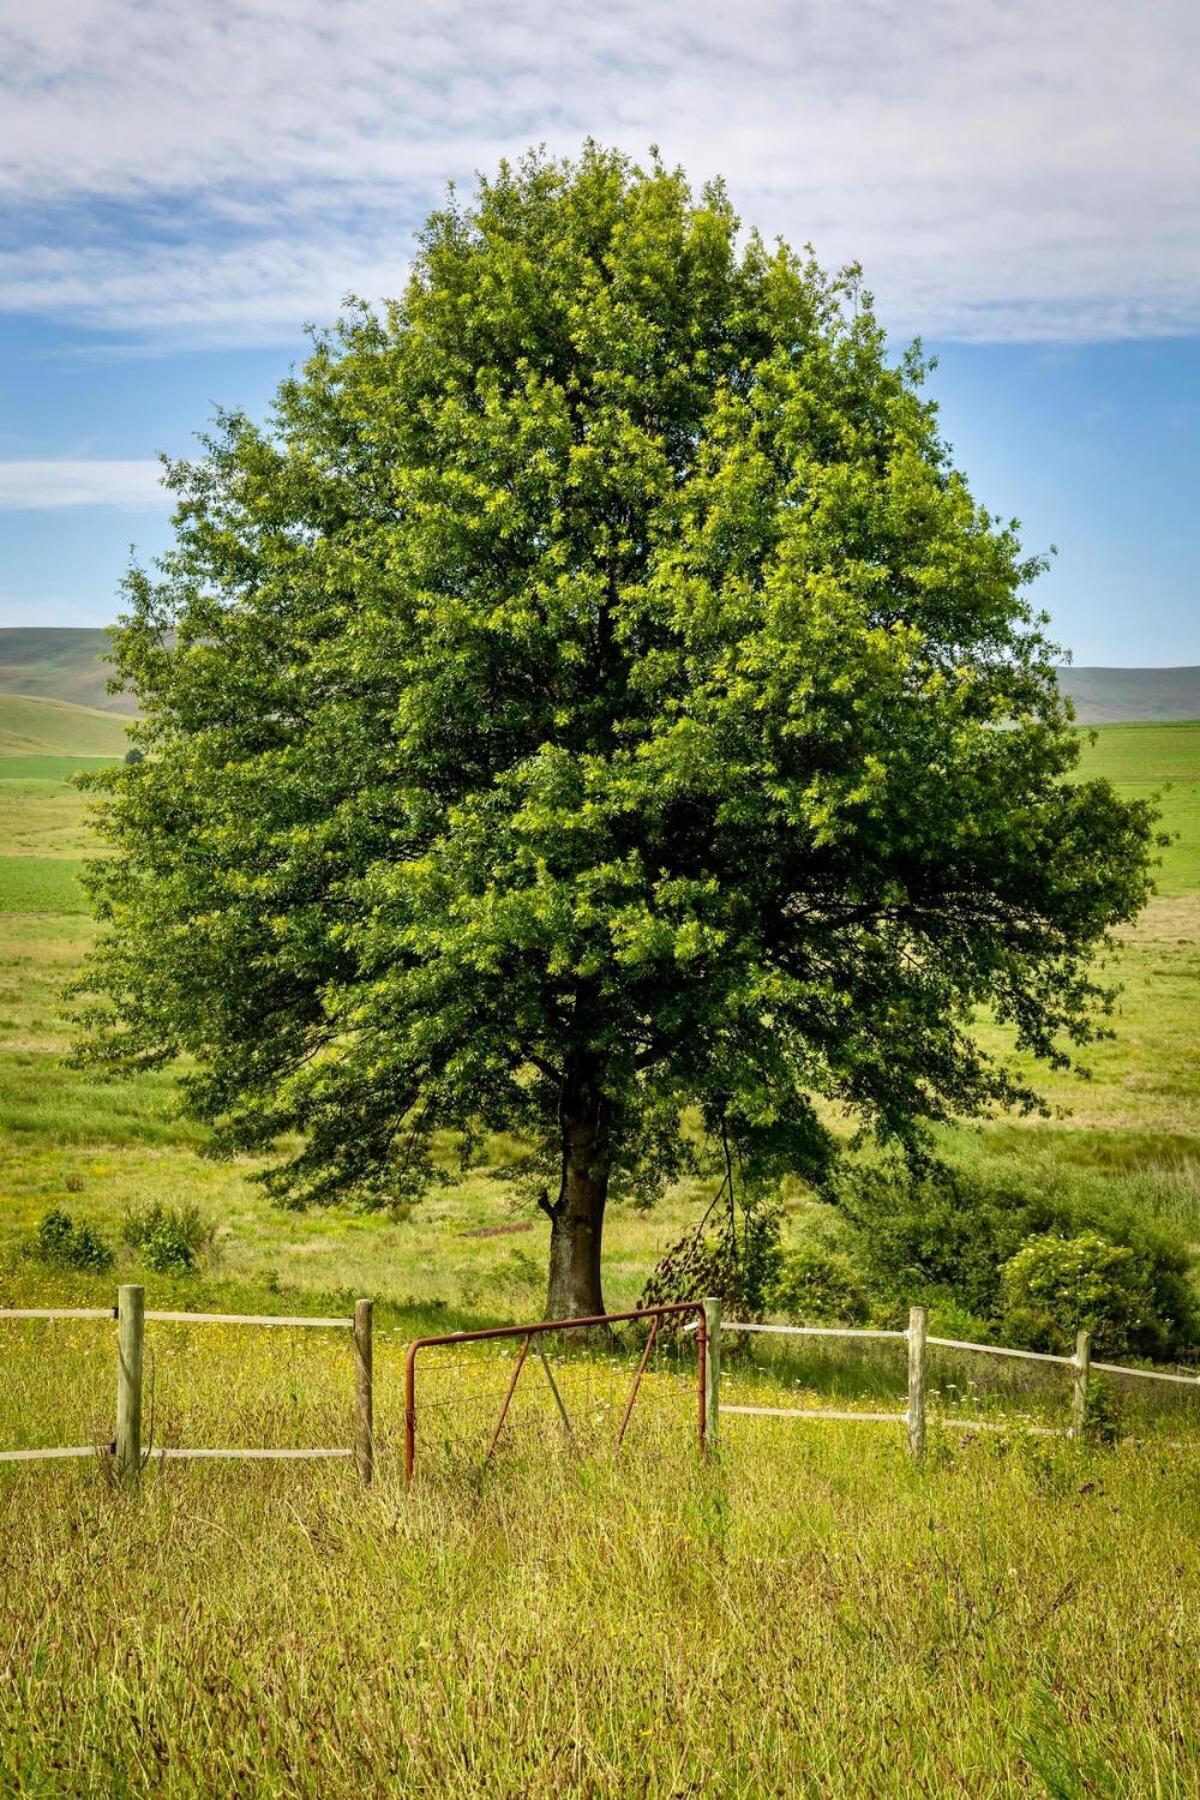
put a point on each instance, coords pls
(712, 1372)
(917, 1318)
(131, 1308)
(364, 1432)
(1079, 1390)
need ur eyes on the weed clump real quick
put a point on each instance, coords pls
(65, 1243)
(169, 1240)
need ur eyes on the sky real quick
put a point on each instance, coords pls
(184, 187)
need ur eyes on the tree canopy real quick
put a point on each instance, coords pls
(592, 697)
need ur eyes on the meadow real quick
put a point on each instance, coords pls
(809, 1616)
(808, 1613)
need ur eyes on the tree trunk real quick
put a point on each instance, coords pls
(577, 1219)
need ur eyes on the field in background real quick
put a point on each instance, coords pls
(96, 1147)
(31, 727)
(65, 663)
(60, 663)
(809, 1614)
(1116, 696)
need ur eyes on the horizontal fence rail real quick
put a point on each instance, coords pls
(809, 1412)
(1146, 1374)
(704, 1318)
(58, 1312)
(1000, 1350)
(172, 1455)
(126, 1447)
(171, 1318)
(55, 1455)
(190, 1318)
(832, 1331)
(918, 1340)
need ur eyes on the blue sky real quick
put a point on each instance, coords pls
(181, 188)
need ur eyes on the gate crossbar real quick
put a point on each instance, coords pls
(653, 1315)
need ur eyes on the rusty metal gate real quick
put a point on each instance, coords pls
(531, 1336)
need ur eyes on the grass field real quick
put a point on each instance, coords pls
(811, 1616)
(37, 727)
(808, 1615)
(1162, 760)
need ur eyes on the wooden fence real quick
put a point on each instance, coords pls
(918, 1340)
(129, 1456)
(131, 1316)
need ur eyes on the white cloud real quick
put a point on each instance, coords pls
(1003, 168)
(135, 486)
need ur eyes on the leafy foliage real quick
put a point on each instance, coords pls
(819, 1286)
(738, 1260)
(65, 1243)
(995, 1250)
(583, 701)
(1054, 1287)
(169, 1239)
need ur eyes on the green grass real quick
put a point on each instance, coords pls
(41, 884)
(30, 726)
(811, 1615)
(1164, 760)
(56, 771)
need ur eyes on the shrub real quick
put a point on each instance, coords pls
(818, 1286)
(950, 1319)
(937, 1237)
(1055, 1286)
(65, 1243)
(945, 1239)
(169, 1239)
(166, 1253)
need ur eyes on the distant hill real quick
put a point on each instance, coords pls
(63, 663)
(59, 663)
(32, 727)
(1130, 696)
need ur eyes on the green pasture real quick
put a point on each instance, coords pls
(40, 884)
(1163, 761)
(808, 1613)
(97, 1146)
(32, 726)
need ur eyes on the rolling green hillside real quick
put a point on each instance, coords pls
(43, 727)
(1126, 696)
(60, 663)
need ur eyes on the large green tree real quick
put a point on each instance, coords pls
(593, 697)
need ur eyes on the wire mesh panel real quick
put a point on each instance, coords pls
(577, 1387)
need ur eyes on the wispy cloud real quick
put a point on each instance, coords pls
(1003, 168)
(32, 486)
